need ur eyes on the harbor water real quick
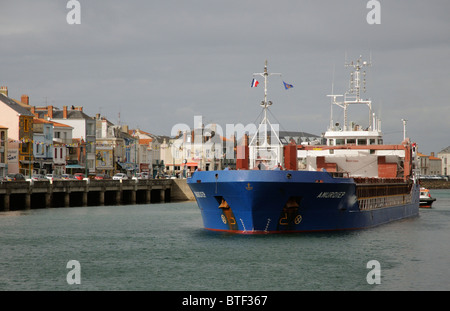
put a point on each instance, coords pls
(163, 247)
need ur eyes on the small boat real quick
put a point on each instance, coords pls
(425, 198)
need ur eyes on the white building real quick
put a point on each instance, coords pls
(444, 155)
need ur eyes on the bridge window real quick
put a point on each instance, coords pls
(362, 141)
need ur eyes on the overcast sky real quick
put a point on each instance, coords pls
(161, 62)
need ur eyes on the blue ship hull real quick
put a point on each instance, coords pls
(258, 201)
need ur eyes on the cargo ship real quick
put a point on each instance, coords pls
(351, 180)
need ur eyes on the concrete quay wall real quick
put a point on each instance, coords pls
(22, 195)
(435, 183)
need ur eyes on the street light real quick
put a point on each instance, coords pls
(30, 146)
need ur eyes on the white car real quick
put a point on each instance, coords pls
(120, 176)
(140, 176)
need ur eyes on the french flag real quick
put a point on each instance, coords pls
(255, 83)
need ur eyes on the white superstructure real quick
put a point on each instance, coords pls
(352, 149)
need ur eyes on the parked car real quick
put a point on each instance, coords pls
(102, 176)
(79, 176)
(120, 176)
(37, 177)
(14, 177)
(140, 176)
(53, 177)
(67, 177)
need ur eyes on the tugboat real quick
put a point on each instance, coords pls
(425, 198)
(351, 181)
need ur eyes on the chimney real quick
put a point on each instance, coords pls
(25, 99)
(64, 112)
(50, 112)
(432, 154)
(4, 90)
(79, 108)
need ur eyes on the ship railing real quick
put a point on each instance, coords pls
(371, 203)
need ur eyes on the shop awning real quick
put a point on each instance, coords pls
(190, 164)
(128, 166)
(74, 166)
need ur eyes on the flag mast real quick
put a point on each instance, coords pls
(265, 122)
(265, 103)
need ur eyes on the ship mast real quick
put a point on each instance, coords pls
(353, 95)
(265, 103)
(265, 147)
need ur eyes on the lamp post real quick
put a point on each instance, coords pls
(30, 146)
(85, 159)
(135, 157)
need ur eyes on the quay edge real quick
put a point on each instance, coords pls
(23, 195)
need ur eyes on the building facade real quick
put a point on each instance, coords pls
(19, 122)
(3, 151)
(429, 165)
(83, 130)
(444, 155)
(42, 146)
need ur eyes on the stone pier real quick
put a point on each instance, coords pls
(22, 195)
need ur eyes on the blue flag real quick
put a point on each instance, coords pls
(287, 86)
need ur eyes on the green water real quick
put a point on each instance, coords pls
(164, 247)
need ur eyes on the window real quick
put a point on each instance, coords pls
(90, 129)
(362, 141)
(25, 125)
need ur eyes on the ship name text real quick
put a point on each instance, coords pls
(200, 194)
(330, 195)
